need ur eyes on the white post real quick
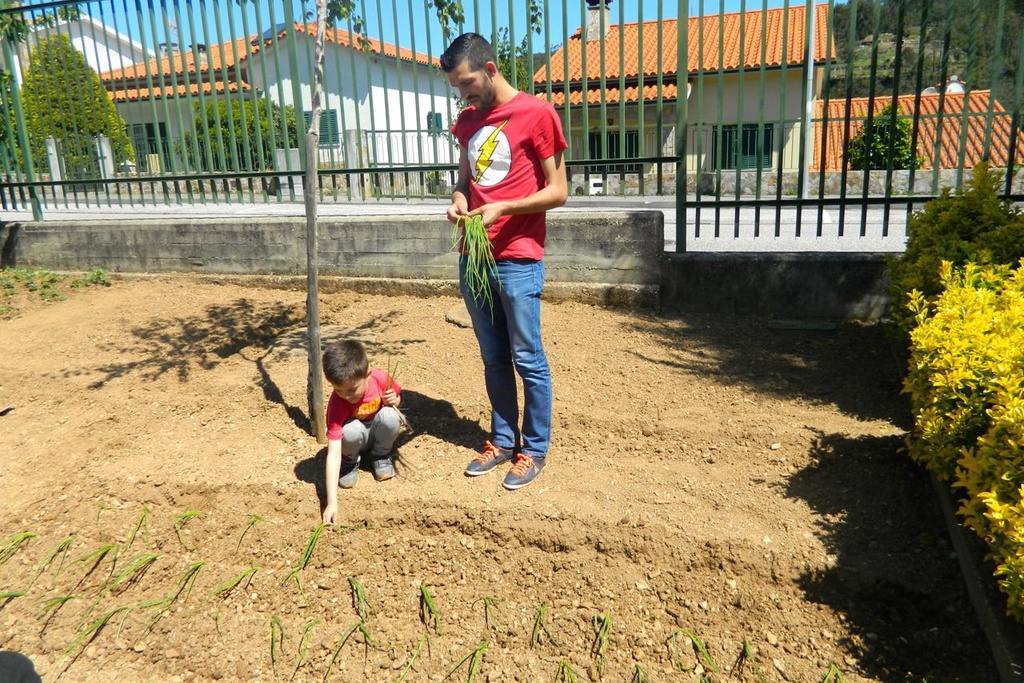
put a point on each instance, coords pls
(53, 159)
(105, 157)
(808, 136)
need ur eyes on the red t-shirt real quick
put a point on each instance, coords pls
(340, 411)
(505, 145)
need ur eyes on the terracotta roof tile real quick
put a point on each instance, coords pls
(354, 40)
(611, 94)
(137, 94)
(941, 128)
(724, 39)
(218, 57)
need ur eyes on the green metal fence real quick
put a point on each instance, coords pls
(771, 123)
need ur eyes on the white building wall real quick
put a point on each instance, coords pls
(388, 120)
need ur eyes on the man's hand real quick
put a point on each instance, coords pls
(490, 212)
(459, 207)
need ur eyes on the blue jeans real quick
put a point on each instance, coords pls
(510, 342)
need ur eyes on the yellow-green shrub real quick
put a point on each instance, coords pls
(974, 225)
(966, 382)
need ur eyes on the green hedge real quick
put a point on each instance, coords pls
(966, 383)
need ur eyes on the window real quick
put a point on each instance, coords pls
(732, 151)
(435, 123)
(330, 136)
(613, 150)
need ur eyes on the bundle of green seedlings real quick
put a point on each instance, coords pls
(480, 263)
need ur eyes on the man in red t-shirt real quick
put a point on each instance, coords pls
(511, 171)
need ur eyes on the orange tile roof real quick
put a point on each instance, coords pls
(611, 94)
(129, 84)
(218, 57)
(136, 94)
(719, 35)
(354, 40)
(945, 126)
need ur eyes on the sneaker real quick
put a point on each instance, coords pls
(491, 457)
(349, 473)
(523, 472)
(383, 468)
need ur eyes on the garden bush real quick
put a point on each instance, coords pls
(974, 225)
(966, 383)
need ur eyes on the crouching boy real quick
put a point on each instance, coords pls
(362, 419)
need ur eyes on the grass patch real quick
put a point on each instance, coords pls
(44, 284)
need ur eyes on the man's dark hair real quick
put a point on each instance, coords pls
(345, 361)
(469, 47)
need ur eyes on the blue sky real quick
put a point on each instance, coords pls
(410, 23)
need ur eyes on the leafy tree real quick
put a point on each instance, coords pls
(516, 59)
(885, 143)
(206, 149)
(971, 52)
(64, 99)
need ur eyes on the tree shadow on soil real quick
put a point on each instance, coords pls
(183, 345)
(850, 365)
(427, 415)
(894, 580)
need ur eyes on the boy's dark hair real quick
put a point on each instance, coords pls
(344, 361)
(469, 47)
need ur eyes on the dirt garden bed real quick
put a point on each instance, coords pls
(721, 478)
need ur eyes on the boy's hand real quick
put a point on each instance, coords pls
(390, 398)
(331, 513)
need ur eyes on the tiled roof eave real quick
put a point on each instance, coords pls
(672, 77)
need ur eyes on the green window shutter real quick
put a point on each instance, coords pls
(330, 136)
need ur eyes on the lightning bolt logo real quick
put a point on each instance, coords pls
(483, 162)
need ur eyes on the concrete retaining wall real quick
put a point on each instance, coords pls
(607, 257)
(778, 285)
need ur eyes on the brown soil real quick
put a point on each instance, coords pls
(721, 477)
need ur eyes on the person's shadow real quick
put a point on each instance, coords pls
(427, 415)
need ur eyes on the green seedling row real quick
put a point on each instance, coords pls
(138, 525)
(475, 656)
(11, 544)
(429, 614)
(540, 626)
(602, 627)
(359, 598)
(424, 642)
(296, 572)
(179, 522)
(253, 521)
(133, 572)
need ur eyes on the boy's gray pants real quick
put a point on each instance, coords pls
(376, 437)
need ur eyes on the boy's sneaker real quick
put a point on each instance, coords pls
(491, 457)
(383, 469)
(523, 472)
(349, 473)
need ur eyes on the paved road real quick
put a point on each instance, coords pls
(857, 229)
